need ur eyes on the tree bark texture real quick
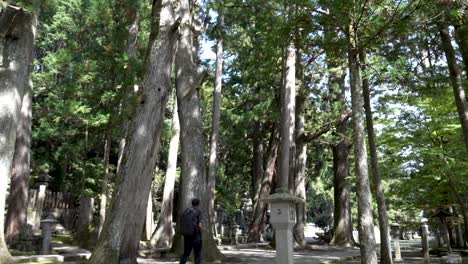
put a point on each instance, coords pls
(288, 106)
(300, 155)
(256, 227)
(366, 226)
(17, 32)
(300, 179)
(455, 80)
(162, 237)
(461, 36)
(342, 226)
(258, 169)
(105, 178)
(385, 248)
(193, 172)
(120, 236)
(215, 120)
(132, 48)
(19, 185)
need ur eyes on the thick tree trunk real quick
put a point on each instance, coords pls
(120, 236)
(193, 173)
(162, 237)
(342, 226)
(19, 185)
(385, 248)
(256, 227)
(105, 179)
(288, 107)
(300, 155)
(366, 225)
(455, 79)
(132, 48)
(215, 120)
(300, 179)
(17, 32)
(461, 36)
(257, 170)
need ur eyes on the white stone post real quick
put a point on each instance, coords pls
(39, 206)
(395, 232)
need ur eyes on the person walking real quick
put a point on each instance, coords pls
(191, 229)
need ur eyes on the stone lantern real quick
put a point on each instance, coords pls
(41, 182)
(283, 219)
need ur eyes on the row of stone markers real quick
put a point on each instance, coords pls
(395, 234)
(49, 212)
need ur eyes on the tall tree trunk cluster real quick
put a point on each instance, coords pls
(365, 219)
(162, 236)
(193, 173)
(455, 79)
(215, 121)
(385, 249)
(342, 225)
(17, 34)
(119, 239)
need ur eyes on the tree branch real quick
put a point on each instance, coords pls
(326, 127)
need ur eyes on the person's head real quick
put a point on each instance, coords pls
(195, 202)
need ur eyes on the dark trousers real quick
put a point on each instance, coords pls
(195, 243)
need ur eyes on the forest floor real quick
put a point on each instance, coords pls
(316, 253)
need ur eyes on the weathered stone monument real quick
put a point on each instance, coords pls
(47, 226)
(42, 182)
(85, 218)
(395, 234)
(424, 241)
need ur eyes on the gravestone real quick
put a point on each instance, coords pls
(42, 181)
(47, 226)
(424, 241)
(85, 219)
(395, 233)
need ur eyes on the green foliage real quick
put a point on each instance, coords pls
(83, 76)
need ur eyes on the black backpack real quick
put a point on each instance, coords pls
(189, 222)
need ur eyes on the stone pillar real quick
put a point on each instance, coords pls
(395, 233)
(39, 206)
(235, 234)
(283, 219)
(47, 226)
(446, 233)
(424, 241)
(436, 240)
(460, 235)
(85, 218)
